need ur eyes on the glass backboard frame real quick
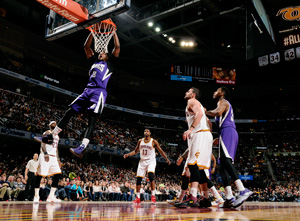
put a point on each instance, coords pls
(54, 31)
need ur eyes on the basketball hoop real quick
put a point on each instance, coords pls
(102, 33)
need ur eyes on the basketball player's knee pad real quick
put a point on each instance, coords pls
(195, 175)
(203, 178)
(151, 176)
(185, 183)
(55, 180)
(139, 180)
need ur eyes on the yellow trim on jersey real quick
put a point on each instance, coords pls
(140, 176)
(202, 130)
(200, 166)
(37, 174)
(54, 174)
(151, 172)
(192, 163)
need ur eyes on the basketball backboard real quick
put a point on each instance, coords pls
(58, 26)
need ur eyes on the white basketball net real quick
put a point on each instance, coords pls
(102, 33)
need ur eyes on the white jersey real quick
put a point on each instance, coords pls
(147, 150)
(200, 142)
(190, 117)
(52, 148)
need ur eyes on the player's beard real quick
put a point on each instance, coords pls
(52, 128)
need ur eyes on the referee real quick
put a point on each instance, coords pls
(30, 177)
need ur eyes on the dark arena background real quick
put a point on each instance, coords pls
(166, 47)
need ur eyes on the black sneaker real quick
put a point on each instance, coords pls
(190, 201)
(228, 203)
(204, 203)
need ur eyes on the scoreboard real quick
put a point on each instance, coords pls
(196, 73)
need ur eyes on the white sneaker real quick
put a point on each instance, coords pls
(53, 200)
(172, 202)
(217, 202)
(36, 199)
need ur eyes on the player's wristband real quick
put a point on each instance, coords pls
(192, 126)
(45, 153)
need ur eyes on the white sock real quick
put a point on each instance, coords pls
(52, 191)
(193, 192)
(153, 192)
(56, 130)
(228, 192)
(138, 195)
(239, 185)
(36, 191)
(85, 141)
(215, 192)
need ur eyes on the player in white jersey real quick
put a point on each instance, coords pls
(49, 165)
(200, 140)
(146, 146)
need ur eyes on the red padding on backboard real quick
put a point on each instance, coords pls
(67, 8)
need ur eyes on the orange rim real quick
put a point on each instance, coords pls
(107, 21)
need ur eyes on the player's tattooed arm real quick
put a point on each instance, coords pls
(135, 151)
(156, 144)
(222, 106)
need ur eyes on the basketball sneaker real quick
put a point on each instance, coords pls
(242, 197)
(53, 200)
(204, 203)
(228, 203)
(153, 199)
(36, 199)
(218, 202)
(172, 202)
(137, 200)
(78, 151)
(190, 201)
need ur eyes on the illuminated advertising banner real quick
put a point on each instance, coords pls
(224, 75)
(181, 78)
(286, 17)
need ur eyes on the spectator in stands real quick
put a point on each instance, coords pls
(126, 194)
(18, 186)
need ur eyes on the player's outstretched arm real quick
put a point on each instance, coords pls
(156, 144)
(87, 46)
(134, 152)
(222, 105)
(116, 50)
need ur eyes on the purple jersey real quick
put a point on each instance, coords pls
(100, 73)
(228, 136)
(227, 120)
(94, 95)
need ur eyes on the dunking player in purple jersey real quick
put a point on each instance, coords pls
(94, 95)
(228, 141)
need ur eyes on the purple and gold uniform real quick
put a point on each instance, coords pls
(228, 136)
(94, 95)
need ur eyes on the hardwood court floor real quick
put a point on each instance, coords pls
(146, 211)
